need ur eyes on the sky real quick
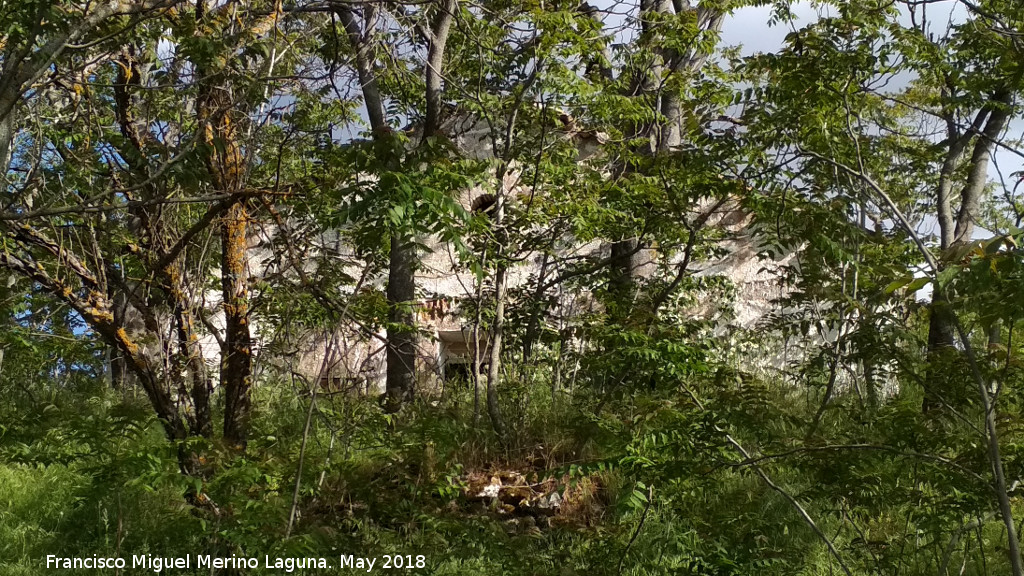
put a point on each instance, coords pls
(749, 27)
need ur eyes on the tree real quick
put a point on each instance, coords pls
(124, 209)
(432, 27)
(849, 131)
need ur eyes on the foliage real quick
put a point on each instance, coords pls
(232, 212)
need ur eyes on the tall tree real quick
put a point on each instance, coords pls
(431, 25)
(659, 74)
(226, 168)
(843, 140)
(117, 162)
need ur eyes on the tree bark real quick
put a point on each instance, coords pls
(401, 295)
(994, 452)
(401, 288)
(95, 308)
(995, 335)
(533, 323)
(498, 324)
(977, 178)
(402, 259)
(626, 259)
(237, 362)
(438, 40)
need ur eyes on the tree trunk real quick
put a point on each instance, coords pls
(117, 366)
(870, 384)
(940, 331)
(533, 324)
(663, 77)
(941, 341)
(476, 371)
(237, 362)
(224, 163)
(401, 350)
(498, 324)
(625, 264)
(995, 335)
(494, 366)
(402, 261)
(477, 358)
(977, 178)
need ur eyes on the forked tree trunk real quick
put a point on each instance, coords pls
(959, 231)
(402, 261)
(627, 254)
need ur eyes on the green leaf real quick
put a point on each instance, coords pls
(898, 283)
(918, 283)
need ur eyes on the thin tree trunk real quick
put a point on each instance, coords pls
(117, 365)
(8, 131)
(870, 384)
(940, 333)
(990, 435)
(477, 359)
(294, 509)
(995, 457)
(189, 352)
(494, 366)
(498, 324)
(625, 253)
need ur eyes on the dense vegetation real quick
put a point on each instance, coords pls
(252, 176)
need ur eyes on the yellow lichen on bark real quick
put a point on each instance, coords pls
(122, 337)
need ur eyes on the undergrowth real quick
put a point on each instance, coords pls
(651, 487)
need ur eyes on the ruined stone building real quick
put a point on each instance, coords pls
(351, 358)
